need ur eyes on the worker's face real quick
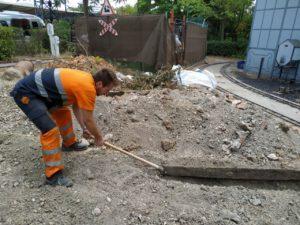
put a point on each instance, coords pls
(101, 90)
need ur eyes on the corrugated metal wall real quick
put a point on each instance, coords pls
(274, 21)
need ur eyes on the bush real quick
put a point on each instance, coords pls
(36, 43)
(162, 78)
(7, 44)
(62, 29)
(227, 48)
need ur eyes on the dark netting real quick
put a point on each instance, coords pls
(81, 35)
(146, 39)
(195, 43)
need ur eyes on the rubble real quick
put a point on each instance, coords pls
(21, 69)
(239, 104)
(96, 212)
(273, 157)
(11, 74)
(255, 201)
(242, 105)
(168, 124)
(228, 215)
(167, 144)
(130, 111)
(108, 137)
(284, 127)
(236, 102)
(89, 174)
(245, 126)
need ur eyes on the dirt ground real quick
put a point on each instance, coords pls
(160, 125)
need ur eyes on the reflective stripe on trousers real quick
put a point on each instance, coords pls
(63, 119)
(51, 152)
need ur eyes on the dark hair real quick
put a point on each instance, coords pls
(106, 76)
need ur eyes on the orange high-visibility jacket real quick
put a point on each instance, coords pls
(60, 87)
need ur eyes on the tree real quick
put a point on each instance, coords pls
(226, 15)
(155, 7)
(229, 13)
(126, 10)
(85, 4)
(194, 8)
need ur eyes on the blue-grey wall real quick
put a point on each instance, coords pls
(274, 21)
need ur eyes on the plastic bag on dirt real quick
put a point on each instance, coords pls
(121, 77)
(194, 78)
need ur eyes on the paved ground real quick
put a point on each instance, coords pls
(280, 108)
(284, 89)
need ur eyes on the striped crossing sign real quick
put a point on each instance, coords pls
(108, 27)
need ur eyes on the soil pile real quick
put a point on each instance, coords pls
(89, 64)
(139, 80)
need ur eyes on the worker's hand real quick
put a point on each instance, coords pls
(99, 142)
(86, 134)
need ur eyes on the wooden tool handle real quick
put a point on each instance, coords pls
(134, 156)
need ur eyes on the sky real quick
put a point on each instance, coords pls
(72, 3)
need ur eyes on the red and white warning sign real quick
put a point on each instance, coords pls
(107, 9)
(108, 27)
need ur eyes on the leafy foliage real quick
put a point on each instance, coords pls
(226, 18)
(227, 48)
(126, 10)
(162, 78)
(7, 44)
(229, 15)
(195, 8)
(156, 7)
(36, 43)
(62, 28)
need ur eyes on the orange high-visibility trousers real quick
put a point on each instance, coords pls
(51, 152)
(51, 140)
(63, 119)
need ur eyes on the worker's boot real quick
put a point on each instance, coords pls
(77, 146)
(59, 179)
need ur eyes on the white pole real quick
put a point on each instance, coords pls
(54, 40)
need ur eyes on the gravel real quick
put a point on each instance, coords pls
(110, 188)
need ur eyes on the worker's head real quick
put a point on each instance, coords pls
(105, 80)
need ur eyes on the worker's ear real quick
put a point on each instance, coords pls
(99, 84)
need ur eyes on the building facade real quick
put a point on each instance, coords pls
(274, 22)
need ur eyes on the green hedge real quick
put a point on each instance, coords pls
(62, 29)
(227, 48)
(7, 44)
(14, 43)
(36, 43)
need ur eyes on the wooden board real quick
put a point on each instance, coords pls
(225, 170)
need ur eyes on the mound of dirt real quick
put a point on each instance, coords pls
(139, 81)
(89, 64)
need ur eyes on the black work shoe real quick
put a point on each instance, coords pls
(77, 146)
(58, 179)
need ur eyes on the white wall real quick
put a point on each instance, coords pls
(274, 21)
